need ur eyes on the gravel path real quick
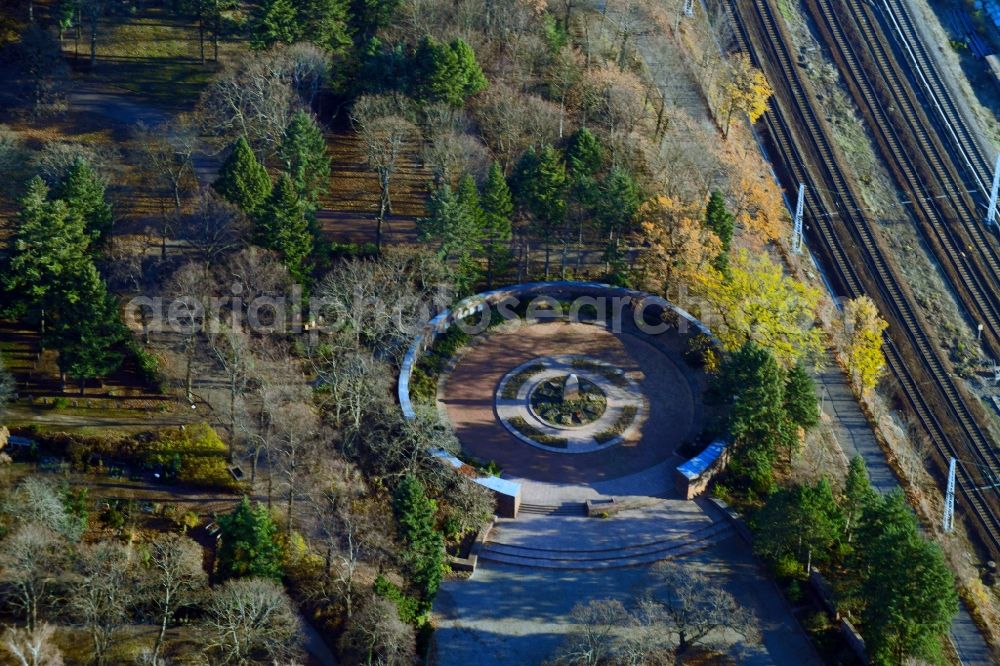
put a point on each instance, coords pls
(855, 437)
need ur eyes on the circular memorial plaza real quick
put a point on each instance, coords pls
(566, 402)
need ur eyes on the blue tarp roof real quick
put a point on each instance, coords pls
(695, 467)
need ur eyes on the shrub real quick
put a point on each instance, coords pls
(194, 456)
(148, 364)
(531, 432)
(619, 426)
(190, 520)
(352, 250)
(409, 608)
(514, 384)
(423, 387)
(787, 567)
(613, 375)
(701, 353)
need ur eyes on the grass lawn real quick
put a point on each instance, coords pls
(153, 53)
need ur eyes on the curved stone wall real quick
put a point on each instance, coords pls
(479, 302)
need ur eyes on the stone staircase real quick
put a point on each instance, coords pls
(567, 509)
(559, 541)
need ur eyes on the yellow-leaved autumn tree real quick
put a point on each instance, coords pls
(746, 90)
(862, 344)
(757, 301)
(680, 247)
(757, 203)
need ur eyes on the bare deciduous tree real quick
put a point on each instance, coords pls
(253, 97)
(384, 131)
(174, 576)
(348, 527)
(232, 349)
(306, 66)
(166, 150)
(190, 294)
(250, 620)
(692, 607)
(32, 647)
(511, 122)
(593, 639)
(380, 304)
(215, 227)
(31, 559)
(38, 501)
(104, 595)
(296, 425)
(376, 635)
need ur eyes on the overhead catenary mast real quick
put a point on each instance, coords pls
(797, 222)
(949, 499)
(991, 211)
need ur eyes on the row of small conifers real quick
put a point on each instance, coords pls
(801, 147)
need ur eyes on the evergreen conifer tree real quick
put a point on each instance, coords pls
(243, 180)
(283, 226)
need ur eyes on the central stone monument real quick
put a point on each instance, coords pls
(571, 390)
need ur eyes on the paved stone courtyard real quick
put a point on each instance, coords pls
(516, 616)
(669, 386)
(515, 609)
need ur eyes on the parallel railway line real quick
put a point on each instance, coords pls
(914, 156)
(803, 146)
(978, 164)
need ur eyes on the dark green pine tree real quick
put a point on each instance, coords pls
(84, 192)
(800, 397)
(303, 150)
(584, 155)
(801, 521)
(366, 17)
(283, 226)
(446, 73)
(468, 199)
(248, 543)
(50, 247)
(324, 23)
(88, 332)
(456, 233)
(722, 223)
(906, 587)
(498, 209)
(858, 495)
(541, 188)
(758, 422)
(275, 22)
(243, 180)
(617, 208)
(424, 554)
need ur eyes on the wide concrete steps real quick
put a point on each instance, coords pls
(566, 509)
(617, 557)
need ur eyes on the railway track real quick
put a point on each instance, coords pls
(916, 159)
(925, 75)
(805, 154)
